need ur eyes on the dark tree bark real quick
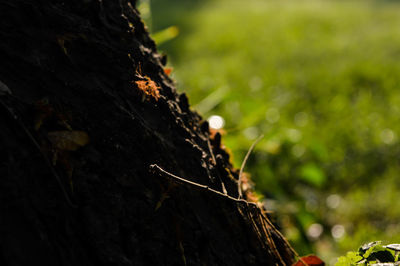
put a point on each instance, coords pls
(89, 121)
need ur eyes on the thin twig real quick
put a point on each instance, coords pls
(155, 167)
(32, 139)
(244, 164)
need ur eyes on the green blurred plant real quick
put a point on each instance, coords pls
(319, 78)
(160, 36)
(165, 35)
(371, 254)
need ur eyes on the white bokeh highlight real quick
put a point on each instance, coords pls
(216, 121)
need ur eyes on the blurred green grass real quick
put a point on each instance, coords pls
(320, 78)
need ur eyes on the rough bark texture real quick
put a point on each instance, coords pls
(72, 69)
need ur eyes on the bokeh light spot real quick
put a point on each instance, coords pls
(301, 119)
(314, 231)
(387, 136)
(298, 150)
(338, 231)
(272, 115)
(294, 135)
(251, 133)
(255, 83)
(333, 201)
(216, 122)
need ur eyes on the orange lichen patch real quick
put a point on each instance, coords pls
(148, 87)
(168, 70)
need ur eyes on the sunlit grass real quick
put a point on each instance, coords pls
(321, 80)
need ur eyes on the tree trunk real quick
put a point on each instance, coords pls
(94, 141)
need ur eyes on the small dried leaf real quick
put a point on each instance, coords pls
(68, 140)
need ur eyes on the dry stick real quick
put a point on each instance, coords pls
(32, 139)
(155, 167)
(197, 185)
(243, 165)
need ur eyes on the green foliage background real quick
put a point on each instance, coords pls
(320, 78)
